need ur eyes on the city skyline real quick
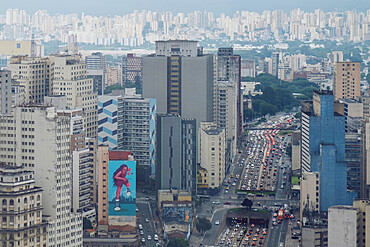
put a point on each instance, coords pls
(228, 7)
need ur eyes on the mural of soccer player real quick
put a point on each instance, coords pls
(119, 179)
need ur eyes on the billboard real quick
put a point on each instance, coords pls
(122, 192)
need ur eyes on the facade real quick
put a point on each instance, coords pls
(132, 67)
(95, 61)
(212, 153)
(347, 80)
(17, 48)
(353, 159)
(21, 208)
(363, 222)
(342, 226)
(49, 158)
(98, 77)
(353, 112)
(105, 223)
(70, 79)
(365, 158)
(35, 74)
(5, 92)
(176, 153)
(229, 72)
(296, 150)
(226, 113)
(136, 128)
(187, 77)
(323, 149)
(275, 60)
(310, 192)
(107, 120)
(248, 68)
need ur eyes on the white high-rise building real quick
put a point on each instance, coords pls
(39, 139)
(342, 226)
(70, 79)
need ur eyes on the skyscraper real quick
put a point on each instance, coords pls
(323, 149)
(180, 78)
(176, 153)
(347, 80)
(212, 154)
(35, 74)
(131, 69)
(229, 96)
(136, 128)
(71, 80)
(5, 92)
(95, 61)
(49, 158)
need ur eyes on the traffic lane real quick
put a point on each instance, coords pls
(273, 238)
(211, 235)
(148, 230)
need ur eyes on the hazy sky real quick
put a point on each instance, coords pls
(120, 7)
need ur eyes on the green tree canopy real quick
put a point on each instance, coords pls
(203, 224)
(178, 242)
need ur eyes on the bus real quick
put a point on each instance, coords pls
(281, 214)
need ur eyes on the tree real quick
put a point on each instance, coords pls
(203, 224)
(247, 203)
(178, 242)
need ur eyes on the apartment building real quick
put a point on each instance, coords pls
(70, 79)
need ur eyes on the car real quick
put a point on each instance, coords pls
(143, 240)
(140, 227)
(157, 245)
(155, 237)
(137, 210)
(227, 188)
(274, 223)
(227, 203)
(149, 237)
(226, 191)
(233, 184)
(146, 220)
(141, 232)
(217, 222)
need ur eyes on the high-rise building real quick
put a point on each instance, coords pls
(98, 77)
(212, 154)
(95, 61)
(347, 80)
(176, 153)
(112, 222)
(363, 222)
(248, 68)
(323, 149)
(342, 226)
(275, 60)
(35, 74)
(96, 70)
(107, 120)
(5, 92)
(49, 158)
(180, 78)
(132, 67)
(21, 208)
(136, 128)
(71, 80)
(353, 159)
(83, 153)
(226, 103)
(229, 73)
(365, 158)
